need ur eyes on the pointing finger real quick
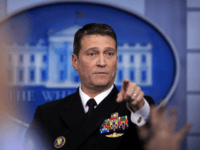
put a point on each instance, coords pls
(124, 87)
(125, 84)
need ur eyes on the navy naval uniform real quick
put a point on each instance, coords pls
(66, 118)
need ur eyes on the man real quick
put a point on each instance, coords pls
(71, 123)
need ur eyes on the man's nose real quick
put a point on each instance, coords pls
(101, 61)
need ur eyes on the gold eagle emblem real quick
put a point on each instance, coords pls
(59, 142)
(114, 135)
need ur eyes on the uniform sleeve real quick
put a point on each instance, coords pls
(33, 135)
(141, 116)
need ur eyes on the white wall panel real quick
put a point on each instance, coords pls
(17, 5)
(193, 30)
(2, 8)
(193, 143)
(136, 5)
(193, 71)
(193, 112)
(193, 3)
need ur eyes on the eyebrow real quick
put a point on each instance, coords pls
(96, 48)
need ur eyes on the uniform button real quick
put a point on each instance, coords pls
(139, 119)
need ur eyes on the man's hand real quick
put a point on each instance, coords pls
(132, 94)
(161, 134)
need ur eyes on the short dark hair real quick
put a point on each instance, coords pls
(91, 29)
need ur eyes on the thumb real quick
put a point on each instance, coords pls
(120, 95)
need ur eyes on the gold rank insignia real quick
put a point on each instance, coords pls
(59, 142)
(113, 115)
(114, 135)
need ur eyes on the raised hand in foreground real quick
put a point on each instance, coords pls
(161, 134)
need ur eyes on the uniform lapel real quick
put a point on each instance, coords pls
(73, 113)
(103, 111)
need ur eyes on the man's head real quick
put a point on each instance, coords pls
(92, 29)
(96, 58)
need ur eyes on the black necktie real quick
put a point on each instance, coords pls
(91, 103)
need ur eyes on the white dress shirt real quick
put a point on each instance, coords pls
(139, 117)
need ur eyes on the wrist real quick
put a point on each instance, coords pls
(136, 107)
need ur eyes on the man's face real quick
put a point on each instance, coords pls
(97, 62)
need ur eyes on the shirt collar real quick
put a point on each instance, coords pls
(84, 97)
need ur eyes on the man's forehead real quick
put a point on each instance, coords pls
(87, 36)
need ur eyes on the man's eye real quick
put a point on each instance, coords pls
(91, 54)
(110, 54)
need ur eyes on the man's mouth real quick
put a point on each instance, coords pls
(101, 73)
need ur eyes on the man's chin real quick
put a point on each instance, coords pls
(101, 84)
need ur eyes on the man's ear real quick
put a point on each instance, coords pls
(75, 61)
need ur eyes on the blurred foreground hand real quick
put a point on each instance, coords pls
(161, 134)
